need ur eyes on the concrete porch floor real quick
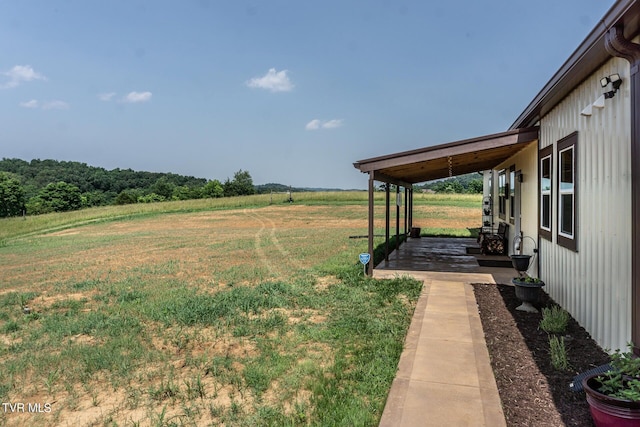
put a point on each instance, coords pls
(444, 376)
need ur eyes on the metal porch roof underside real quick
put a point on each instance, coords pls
(454, 158)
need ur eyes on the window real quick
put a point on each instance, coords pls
(546, 191)
(502, 194)
(512, 194)
(567, 191)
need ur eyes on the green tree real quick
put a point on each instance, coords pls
(163, 187)
(11, 196)
(241, 185)
(56, 197)
(151, 198)
(475, 186)
(213, 189)
(126, 197)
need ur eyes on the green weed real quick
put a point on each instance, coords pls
(554, 320)
(558, 351)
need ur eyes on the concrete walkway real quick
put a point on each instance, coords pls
(444, 376)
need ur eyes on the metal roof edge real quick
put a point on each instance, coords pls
(589, 55)
(527, 133)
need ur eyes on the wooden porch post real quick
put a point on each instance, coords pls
(371, 212)
(397, 217)
(406, 207)
(386, 221)
(410, 209)
(618, 46)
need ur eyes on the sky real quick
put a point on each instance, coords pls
(291, 91)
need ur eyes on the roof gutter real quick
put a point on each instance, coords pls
(589, 56)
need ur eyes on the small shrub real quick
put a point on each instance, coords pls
(554, 320)
(559, 358)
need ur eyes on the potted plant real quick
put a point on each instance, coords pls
(527, 291)
(614, 397)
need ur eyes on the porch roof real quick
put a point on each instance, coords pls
(454, 158)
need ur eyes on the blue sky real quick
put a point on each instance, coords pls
(292, 91)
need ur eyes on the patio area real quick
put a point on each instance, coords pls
(444, 375)
(444, 254)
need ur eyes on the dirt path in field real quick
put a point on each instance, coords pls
(261, 243)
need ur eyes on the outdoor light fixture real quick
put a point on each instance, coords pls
(615, 81)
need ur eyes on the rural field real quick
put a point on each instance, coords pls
(234, 311)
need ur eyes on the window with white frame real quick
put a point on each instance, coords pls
(546, 191)
(567, 191)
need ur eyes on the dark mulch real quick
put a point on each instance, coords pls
(533, 393)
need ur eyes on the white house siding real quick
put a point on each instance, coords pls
(594, 283)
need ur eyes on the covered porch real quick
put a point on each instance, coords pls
(405, 169)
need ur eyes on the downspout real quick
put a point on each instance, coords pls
(618, 46)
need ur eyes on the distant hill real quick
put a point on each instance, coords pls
(40, 189)
(37, 174)
(281, 188)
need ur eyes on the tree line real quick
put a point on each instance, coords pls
(43, 186)
(469, 183)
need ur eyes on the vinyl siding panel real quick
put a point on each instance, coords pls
(594, 283)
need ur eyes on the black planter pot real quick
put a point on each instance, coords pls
(528, 293)
(521, 262)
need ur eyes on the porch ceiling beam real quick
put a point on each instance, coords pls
(379, 176)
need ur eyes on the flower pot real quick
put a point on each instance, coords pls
(521, 262)
(528, 293)
(608, 411)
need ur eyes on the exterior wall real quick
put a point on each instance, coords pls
(594, 282)
(526, 161)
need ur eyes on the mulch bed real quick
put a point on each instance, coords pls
(533, 393)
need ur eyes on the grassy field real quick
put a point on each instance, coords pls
(243, 311)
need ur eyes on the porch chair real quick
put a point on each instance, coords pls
(495, 243)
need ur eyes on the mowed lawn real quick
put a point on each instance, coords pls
(227, 312)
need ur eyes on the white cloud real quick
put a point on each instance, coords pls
(106, 96)
(332, 124)
(55, 105)
(30, 104)
(19, 74)
(316, 124)
(48, 105)
(134, 97)
(275, 81)
(313, 125)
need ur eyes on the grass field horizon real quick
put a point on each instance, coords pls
(239, 311)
